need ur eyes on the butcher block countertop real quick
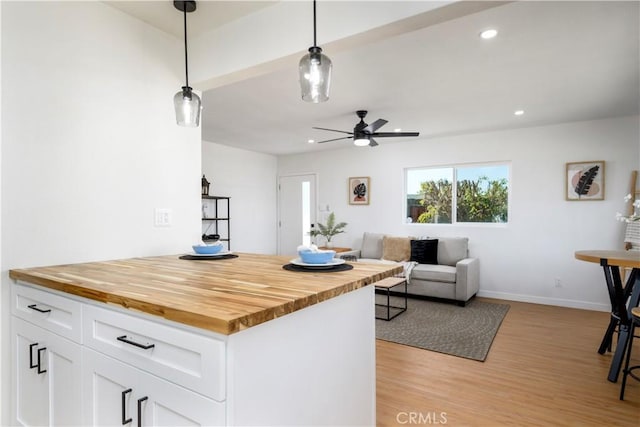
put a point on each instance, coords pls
(224, 296)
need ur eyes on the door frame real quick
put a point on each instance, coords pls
(314, 215)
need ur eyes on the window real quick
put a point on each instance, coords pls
(481, 194)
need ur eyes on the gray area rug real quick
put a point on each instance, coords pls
(446, 328)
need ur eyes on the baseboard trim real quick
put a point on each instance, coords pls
(586, 305)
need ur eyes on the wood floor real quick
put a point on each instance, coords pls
(543, 369)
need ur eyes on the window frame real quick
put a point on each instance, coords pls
(454, 195)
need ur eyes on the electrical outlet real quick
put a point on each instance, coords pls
(162, 217)
(558, 282)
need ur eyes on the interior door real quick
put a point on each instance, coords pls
(296, 211)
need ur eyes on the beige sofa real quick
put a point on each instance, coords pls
(452, 276)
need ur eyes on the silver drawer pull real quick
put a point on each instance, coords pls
(39, 310)
(128, 341)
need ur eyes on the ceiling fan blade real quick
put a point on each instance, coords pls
(392, 134)
(334, 130)
(375, 125)
(372, 142)
(335, 139)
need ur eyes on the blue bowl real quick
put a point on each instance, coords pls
(207, 249)
(323, 257)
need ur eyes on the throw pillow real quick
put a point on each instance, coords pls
(371, 246)
(424, 251)
(396, 248)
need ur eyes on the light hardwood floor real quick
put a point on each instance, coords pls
(543, 369)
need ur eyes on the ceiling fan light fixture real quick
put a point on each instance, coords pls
(361, 141)
(315, 71)
(187, 104)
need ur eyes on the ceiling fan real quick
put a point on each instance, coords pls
(363, 133)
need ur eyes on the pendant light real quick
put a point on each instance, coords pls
(186, 102)
(315, 71)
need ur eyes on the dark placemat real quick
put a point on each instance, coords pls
(341, 267)
(208, 258)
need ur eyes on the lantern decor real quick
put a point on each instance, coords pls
(205, 186)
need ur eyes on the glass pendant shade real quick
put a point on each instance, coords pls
(188, 107)
(315, 76)
(186, 103)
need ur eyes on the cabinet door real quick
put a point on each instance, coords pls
(117, 392)
(109, 390)
(47, 377)
(31, 388)
(167, 404)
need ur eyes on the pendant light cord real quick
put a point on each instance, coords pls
(314, 24)
(186, 62)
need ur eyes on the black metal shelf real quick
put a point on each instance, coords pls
(219, 222)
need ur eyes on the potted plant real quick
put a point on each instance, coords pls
(329, 230)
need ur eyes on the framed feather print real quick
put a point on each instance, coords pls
(585, 181)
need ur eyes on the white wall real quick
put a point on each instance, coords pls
(89, 142)
(249, 178)
(521, 260)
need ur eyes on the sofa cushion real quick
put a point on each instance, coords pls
(424, 251)
(434, 273)
(452, 249)
(396, 248)
(371, 245)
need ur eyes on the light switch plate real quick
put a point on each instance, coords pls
(162, 217)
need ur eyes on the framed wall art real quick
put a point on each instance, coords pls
(359, 190)
(585, 180)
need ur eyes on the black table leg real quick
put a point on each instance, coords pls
(623, 312)
(605, 345)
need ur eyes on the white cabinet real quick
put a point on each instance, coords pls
(191, 360)
(119, 394)
(77, 362)
(59, 382)
(45, 377)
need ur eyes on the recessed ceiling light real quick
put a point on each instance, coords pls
(489, 34)
(518, 112)
(311, 141)
(397, 130)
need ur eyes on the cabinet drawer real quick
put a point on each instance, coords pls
(188, 359)
(50, 311)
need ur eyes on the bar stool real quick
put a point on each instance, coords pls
(628, 370)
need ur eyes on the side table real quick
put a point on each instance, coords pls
(387, 284)
(338, 250)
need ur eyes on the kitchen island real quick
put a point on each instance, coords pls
(162, 340)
